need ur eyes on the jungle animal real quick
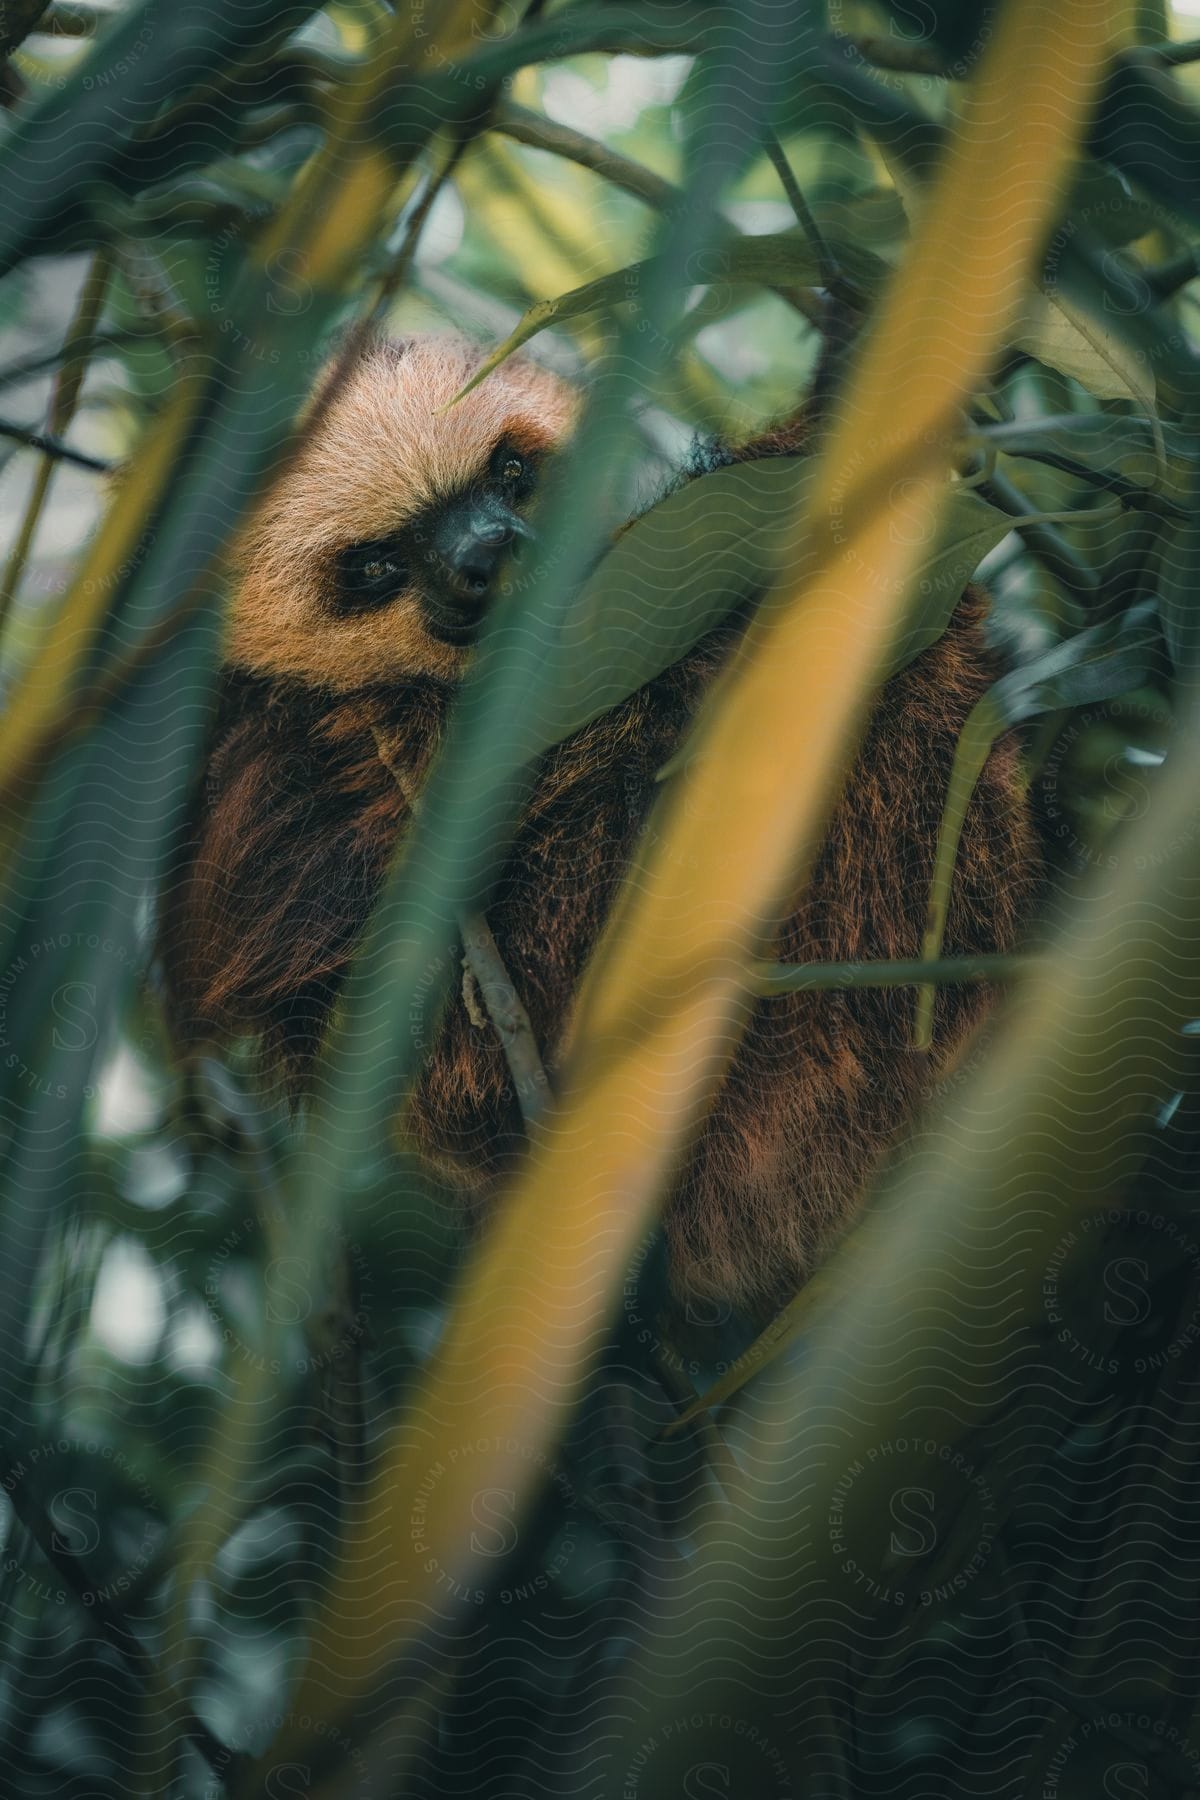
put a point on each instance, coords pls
(359, 588)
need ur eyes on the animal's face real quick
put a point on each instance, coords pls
(376, 555)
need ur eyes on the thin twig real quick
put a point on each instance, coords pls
(403, 260)
(486, 976)
(67, 388)
(540, 133)
(15, 374)
(832, 275)
(799, 205)
(51, 446)
(485, 965)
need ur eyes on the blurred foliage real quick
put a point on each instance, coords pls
(935, 1532)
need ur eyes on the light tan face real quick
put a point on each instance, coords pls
(373, 557)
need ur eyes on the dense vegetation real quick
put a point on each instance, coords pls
(936, 1532)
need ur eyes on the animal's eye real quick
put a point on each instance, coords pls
(370, 575)
(513, 467)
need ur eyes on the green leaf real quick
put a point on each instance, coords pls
(1118, 452)
(969, 528)
(1107, 659)
(1179, 586)
(77, 134)
(1058, 331)
(671, 577)
(777, 258)
(716, 544)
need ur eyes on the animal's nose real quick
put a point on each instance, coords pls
(474, 538)
(476, 552)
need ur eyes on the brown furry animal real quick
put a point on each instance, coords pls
(360, 584)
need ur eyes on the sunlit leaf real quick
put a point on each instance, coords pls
(1105, 660)
(774, 259)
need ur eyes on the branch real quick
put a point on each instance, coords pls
(14, 374)
(831, 274)
(486, 978)
(485, 967)
(68, 385)
(540, 133)
(1043, 542)
(52, 446)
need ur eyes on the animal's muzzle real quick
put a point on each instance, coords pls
(471, 541)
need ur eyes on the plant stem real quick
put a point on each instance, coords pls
(796, 978)
(485, 968)
(831, 274)
(540, 133)
(33, 439)
(15, 373)
(506, 1010)
(67, 387)
(984, 725)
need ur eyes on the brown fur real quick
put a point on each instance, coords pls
(299, 815)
